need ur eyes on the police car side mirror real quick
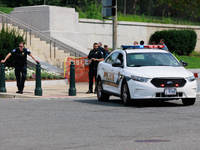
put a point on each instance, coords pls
(117, 64)
(184, 64)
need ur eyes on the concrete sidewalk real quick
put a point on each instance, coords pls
(50, 89)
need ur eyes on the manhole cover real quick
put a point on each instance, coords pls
(152, 141)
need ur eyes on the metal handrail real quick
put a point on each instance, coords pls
(66, 47)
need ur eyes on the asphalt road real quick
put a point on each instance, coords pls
(84, 124)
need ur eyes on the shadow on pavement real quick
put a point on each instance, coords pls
(136, 104)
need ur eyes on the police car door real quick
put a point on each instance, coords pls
(108, 76)
(116, 72)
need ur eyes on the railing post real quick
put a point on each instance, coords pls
(38, 89)
(26, 37)
(2, 78)
(72, 89)
(54, 50)
(30, 37)
(50, 48)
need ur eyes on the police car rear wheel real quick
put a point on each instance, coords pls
(188, 101)
(100, 94)
(126, 95)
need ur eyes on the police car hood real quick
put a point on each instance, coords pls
(159, 71)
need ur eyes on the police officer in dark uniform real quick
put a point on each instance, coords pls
(94, 57)
(101, 48)
(20, 63)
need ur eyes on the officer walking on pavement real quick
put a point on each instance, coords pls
(20, 63)
(94, 57)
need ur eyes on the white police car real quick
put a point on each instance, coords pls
(145, 73)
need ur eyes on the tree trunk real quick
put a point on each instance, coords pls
(124, 7)
(134, 7)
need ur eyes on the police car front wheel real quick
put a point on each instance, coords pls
(101, 95)
(125, 94)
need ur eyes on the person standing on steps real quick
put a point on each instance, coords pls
(20, 63)
(94, 57)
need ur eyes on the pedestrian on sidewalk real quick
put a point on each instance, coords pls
(94, 57)
(20, 63)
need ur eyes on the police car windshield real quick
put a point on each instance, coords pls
(151, 59)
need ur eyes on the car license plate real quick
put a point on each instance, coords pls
(170, 91)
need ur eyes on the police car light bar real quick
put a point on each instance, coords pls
(142, 46)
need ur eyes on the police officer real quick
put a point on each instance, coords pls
(94, 57)
(20, 63)
(101, 48)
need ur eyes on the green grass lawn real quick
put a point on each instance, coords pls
(155, 19)
(6, 10)
(193, 60)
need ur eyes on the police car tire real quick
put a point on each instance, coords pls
(125, 94)
(101, 95)
(188, 101)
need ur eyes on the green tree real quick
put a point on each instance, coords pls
(192, 7)
(8, 41)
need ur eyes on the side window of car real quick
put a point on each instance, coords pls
(112, 58)
(120, 58)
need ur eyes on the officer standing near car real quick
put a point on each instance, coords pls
(20, 63)
(94, 57)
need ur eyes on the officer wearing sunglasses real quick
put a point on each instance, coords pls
(20, 63)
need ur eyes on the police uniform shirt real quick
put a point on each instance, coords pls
(95, 54)
(20, 56)
(102, 49)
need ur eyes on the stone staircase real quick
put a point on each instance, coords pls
(41, 49)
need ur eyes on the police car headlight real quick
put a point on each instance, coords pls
(140, 79)
(191, 78)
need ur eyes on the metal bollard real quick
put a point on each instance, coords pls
(38, 89)
(2, 78)
(72, 89)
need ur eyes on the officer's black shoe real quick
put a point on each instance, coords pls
(20, 92)
(95, 92)
(89, 91)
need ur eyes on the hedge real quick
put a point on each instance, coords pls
(181, 42)
(9, 40)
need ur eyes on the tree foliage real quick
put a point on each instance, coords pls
(181, 42)
(192, 7)
(9, 40)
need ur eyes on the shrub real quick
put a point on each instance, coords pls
(50, 76)
(181, 42)
(92, 10)
(7, 76)
(9, 40)
(44, 75)
(12, 76)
